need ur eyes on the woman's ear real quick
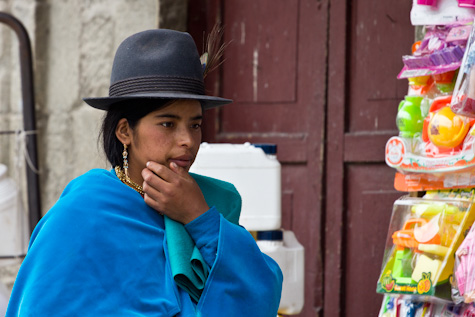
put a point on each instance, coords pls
(122, 131)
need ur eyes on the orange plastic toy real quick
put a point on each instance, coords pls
(405, 238)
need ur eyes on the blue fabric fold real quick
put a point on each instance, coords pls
(189, 269)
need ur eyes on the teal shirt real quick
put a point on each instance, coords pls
(101, 251)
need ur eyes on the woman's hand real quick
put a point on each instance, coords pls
(173, 192)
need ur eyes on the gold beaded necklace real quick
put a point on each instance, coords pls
(127, 181)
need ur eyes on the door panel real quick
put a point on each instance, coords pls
(369, 207)
(264, 38)
(274, 69)
(380, 33)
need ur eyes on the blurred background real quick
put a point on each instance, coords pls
(315, 77)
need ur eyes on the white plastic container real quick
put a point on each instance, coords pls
(4, 297)
(255, 175)
(13, 234)
(290, 256)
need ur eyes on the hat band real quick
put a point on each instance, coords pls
(156, 84)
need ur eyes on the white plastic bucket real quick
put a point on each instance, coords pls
(290, 256)
(255, 175)
(4, 297)
(12, 217)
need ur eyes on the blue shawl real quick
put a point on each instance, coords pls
(188, 266)
(101, 251)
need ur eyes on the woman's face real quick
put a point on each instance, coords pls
(170, 134)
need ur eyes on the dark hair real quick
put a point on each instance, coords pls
(132, 110)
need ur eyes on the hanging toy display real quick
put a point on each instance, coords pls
(423, 237)
(402, 306)
(436, 135)
(428, 266)
(440, 51)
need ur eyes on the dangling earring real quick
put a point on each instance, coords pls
(123, 175)
(125, 154)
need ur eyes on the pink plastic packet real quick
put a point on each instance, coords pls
(464, 270)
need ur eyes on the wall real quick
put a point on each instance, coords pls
(173, 14)
(77, 46)
(74, 43)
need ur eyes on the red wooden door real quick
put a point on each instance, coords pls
(275, 71)
(367, 40)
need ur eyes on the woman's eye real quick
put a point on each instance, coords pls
(167, 124)
(196, 126)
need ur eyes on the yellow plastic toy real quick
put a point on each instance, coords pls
(447, 129)
(435, 249)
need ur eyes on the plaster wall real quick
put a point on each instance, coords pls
(78, 42)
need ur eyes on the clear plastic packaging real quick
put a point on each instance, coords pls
(440, 51)
(463, 101)
(442, 141)
(435, 147)
(422, 238)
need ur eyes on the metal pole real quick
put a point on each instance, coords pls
(29, 120)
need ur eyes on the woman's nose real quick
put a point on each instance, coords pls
(185, 137)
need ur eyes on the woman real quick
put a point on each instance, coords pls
(147, 238)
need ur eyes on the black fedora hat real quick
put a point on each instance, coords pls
(157, 64)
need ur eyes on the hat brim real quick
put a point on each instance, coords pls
(208, 102)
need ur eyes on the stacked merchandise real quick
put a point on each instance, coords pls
(428, 268)
(425, 239)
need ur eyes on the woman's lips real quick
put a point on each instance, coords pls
(183, 161)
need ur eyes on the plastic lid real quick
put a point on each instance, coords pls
(274, 235)
(268, 148)
(427, 2)
(467, 3)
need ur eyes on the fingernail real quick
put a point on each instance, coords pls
(148, 163)
(174, 165)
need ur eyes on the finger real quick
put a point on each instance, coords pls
(178, 169)
(160, 170)
(152, 180)
(152, 184)
(153, 203)
(154, 197)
